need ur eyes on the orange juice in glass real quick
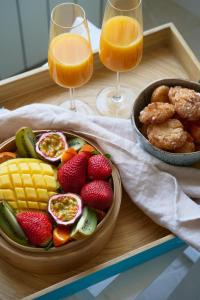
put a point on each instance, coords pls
(121, 47)
(121, 44)
(70, 55)
(70, 60)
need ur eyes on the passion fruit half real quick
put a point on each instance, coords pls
(65, 208)
(51, 146)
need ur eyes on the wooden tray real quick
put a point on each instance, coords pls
(136, 238)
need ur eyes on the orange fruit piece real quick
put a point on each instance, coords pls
(4, 156)
(87, 148)
(68, 154)
(61, 236)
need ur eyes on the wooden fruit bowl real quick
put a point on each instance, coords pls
(57, 260)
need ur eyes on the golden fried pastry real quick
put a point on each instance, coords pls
(187, 103)
(195, 131)
(160, 94)
(185, 122)
(172, 93)
(168, 135)
(188, 147)
(157, 112)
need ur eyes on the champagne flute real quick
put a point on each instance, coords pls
(70, 56)
(121, 47)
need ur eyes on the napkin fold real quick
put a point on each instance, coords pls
(162, 191)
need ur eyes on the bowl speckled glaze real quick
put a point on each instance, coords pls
(143, 99)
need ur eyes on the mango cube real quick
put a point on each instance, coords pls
(27, 183)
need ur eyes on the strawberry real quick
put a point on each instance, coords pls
(99, 167)
(97, 194)
(36, 226)
(73, 174)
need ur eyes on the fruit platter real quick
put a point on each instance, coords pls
(57, 195)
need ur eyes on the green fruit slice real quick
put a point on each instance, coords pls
(30, 142)
(76, 143)
(86, 225)
(10, 226)
(25, 142)
(9, 216)
(20, 143)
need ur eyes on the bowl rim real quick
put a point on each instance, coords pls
(76, 243)
(133, 117)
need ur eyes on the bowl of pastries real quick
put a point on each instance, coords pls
(166, 118)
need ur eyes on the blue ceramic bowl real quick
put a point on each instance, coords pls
(143, 99)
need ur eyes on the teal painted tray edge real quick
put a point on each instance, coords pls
(124, 265)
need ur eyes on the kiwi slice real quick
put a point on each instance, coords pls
(76, 143)
(9, 215)
(25, 142)
(9, 224)
(86, 224)
(20, 143)
(30, 141)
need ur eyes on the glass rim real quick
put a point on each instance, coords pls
(125, 10)
(72, 4)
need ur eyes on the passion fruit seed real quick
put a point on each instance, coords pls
(66, 209)
(52, 145)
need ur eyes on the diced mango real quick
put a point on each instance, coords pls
(50, 182)
(5, 182)
(22, 204)
(27, 180)
(51, 194)
(1, 194)
(35, 167)
(24, 167)
(3, 170)
(27, 183)
(30, 193)
(8, 194)
(13, 204)
(20, 193)
(13, 168)
(16, 179)
(42, 194)
(42, 206)
(39, 181)
(47, 169)
(33, 205)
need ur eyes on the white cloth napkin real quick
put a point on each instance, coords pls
(162, 191)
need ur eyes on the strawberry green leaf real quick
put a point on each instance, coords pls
(107, 155)
(95, 152)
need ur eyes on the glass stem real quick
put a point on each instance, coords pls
(72, 101)
(117, 97)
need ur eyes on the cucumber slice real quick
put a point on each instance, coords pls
(76, 143)
(86, 225)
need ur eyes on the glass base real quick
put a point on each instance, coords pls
(80, 107)
(118, 107)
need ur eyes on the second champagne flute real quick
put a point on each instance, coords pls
(70, 56)
(121, 47)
